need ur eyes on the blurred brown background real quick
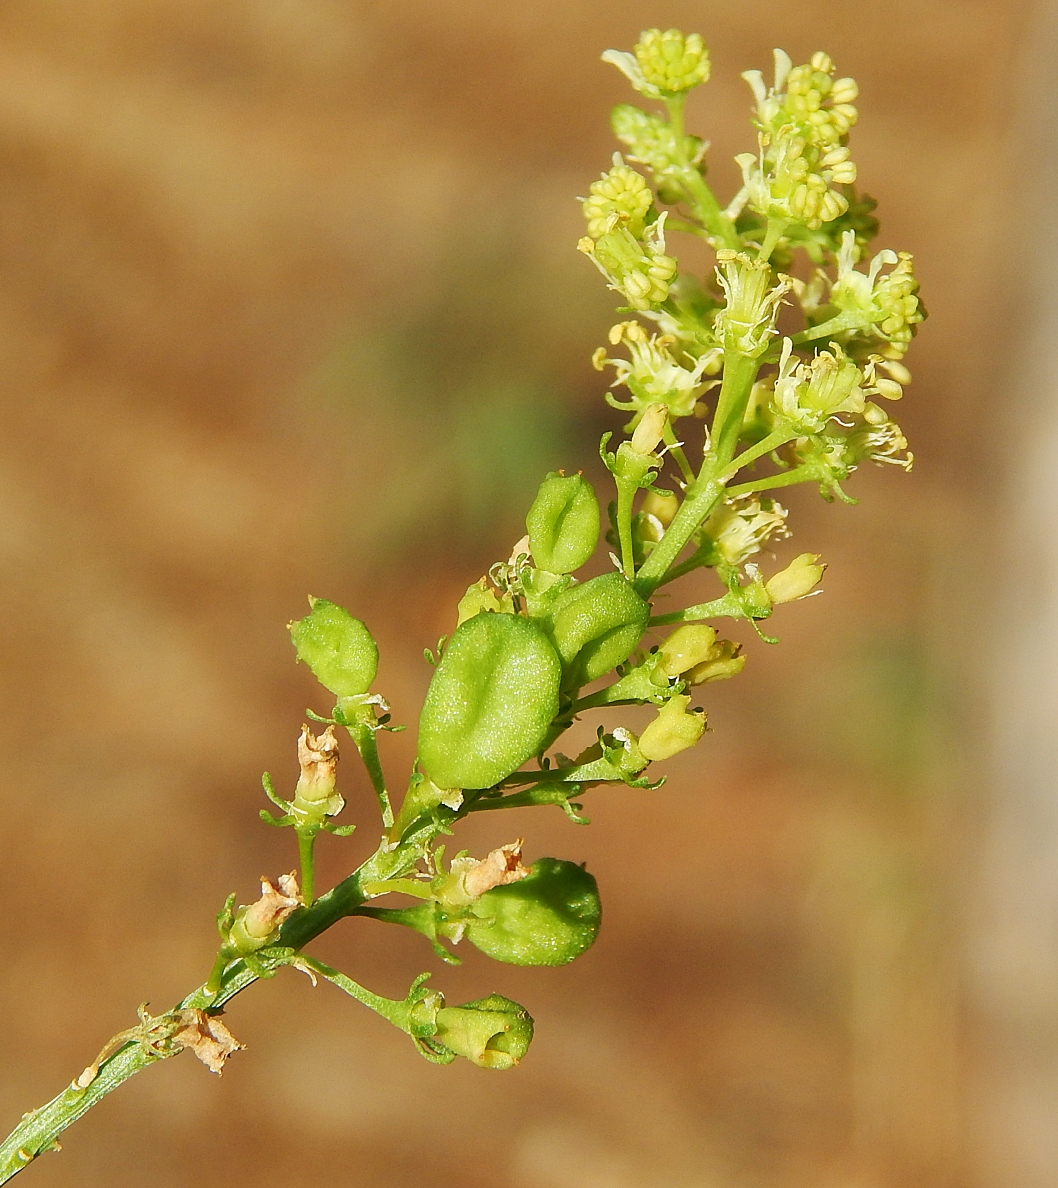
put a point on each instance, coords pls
(289, 303)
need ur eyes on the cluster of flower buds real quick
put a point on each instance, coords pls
(640, 270)
(652, 141)
(653, 374)
(885, 304)
(620, 198)
(802, 121)
(663, 65)
(694, 654)
(625, 244)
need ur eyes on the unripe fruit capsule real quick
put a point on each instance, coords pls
(595, 626)
(563, 523)
(490, 703)
(339, 649)
(547, 918)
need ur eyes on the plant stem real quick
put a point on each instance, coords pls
(705, 492)
(702, 200)
(39, 1130)
(394, 1011)
(800, 474)
(306, 846)
(626, 493)
(739, 373)
(363, 734)
(842, 324)
(702, 497)
(695, 561)
(728, 606)
(771, 238)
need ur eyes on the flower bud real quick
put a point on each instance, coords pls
(650, 430)
(339, 649)
(596, 625)
(548, 917)
(620, 197)
(640, 270)
(492, 1032)
(662, 505)
(675, 729)
(652, 141)
(672, 61)
(686, 647)
(797, 580)
(563, 523)
(722, 662)
(490, 702)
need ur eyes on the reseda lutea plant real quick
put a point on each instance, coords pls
(722, 406)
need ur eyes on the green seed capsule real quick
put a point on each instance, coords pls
(547, 918)
(339, 649)
(563, 523)
(596, 626)
(492, 1032)
(490, 703)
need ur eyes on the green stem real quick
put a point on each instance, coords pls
(702, 496)
(706, 491)
(626, 493)
(701, 198)
(393, 1010)
(765, 446)
(740, 371)
(363, 734)
(772, 235)
(800, 474)
(306, 848)
(682, 225)
(215, 981)
(726, 607)
(695, 561)
(841, 324)
(39, 1130)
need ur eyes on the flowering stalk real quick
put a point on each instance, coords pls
(721, 408)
